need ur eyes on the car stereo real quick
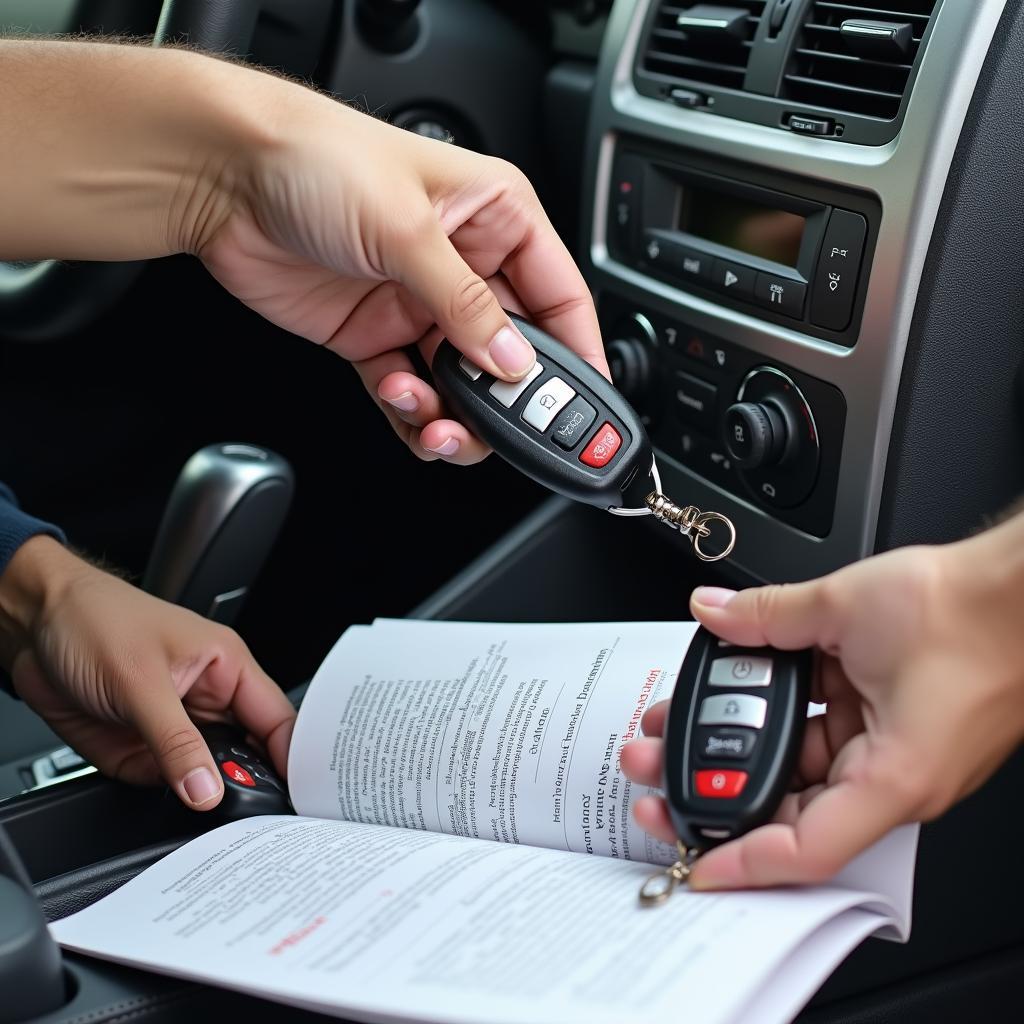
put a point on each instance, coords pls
(771, 252)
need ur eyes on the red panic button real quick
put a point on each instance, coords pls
(719, 783)
(238, 773)
(602, 447)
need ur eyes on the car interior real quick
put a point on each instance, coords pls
(812, 204)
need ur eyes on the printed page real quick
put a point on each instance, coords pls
(382, 924)
(509, 732)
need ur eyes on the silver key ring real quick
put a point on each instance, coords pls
(702, 530)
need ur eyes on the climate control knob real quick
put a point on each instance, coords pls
(756, 434)
(770, 434)
(631, 360)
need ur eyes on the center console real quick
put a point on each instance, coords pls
(764, 182)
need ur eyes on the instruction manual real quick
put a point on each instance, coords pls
(465, 851)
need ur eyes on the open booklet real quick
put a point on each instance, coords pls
(465, 851)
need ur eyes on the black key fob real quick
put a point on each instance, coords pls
(564, 424)
(251, 786)
(732, 737)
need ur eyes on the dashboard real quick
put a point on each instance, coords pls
(756, 242)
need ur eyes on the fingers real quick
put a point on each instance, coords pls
(415, 411)
(837, 824)
(787, 616)
(180, 752)
(653, 721)
(651, 813)
(263, 711)
(642, 761)
(462, 304)
(555, 294)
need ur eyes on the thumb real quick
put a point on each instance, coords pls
(840, 822)
(788, 616)
(180, 752)
(464, 307)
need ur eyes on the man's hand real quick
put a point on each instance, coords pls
(366, 238)
(337, 226)
(120, 675)
(921, 667)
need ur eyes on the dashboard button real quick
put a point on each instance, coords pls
(574, 422)
(781, 294)
(690, 263)
(812, 125)
(695, 401)
(624, 205)
(835, 283)
(547, 402)
(686, 97)
(733, 279)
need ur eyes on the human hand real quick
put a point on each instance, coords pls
(921, 667)
(362, 237)
(118, 673)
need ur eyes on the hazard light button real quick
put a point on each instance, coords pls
(602, 447)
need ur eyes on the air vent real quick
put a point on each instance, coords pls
(716, 55)
(857, 58)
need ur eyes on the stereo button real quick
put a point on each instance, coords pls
(734, 279)
(781, 294)
(696, 402)
(835, 284)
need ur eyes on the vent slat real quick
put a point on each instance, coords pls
(850, 59)
(825, 71)
(675, 55)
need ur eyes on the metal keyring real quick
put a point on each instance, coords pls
(703, 531)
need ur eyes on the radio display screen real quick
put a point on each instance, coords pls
(741, 224)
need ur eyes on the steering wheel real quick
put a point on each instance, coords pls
(43, 301)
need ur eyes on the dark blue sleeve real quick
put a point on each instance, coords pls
(16, 527)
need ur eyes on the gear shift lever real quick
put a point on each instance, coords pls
(222, 519)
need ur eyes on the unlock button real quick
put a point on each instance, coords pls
(547, 402)
(733, 709)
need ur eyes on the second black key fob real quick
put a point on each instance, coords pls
(251, 786)
(732, 737)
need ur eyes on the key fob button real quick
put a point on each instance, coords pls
(547, 402)
(602, 447)
(726, 744)
(237, 773)
(741, 670)
(733, 709)
(507, 393)
(719, 783)
(470, 369)
(574, 422)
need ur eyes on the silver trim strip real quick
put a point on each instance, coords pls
(908, 175)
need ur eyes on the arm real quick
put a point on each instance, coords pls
(922, 671)
(330, 223)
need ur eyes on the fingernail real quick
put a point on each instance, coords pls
(200, 786)
(512, 353)
(713, 597)
(405, 402)
(450, 447)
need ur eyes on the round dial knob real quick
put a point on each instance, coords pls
(630, 365)
(756, 434)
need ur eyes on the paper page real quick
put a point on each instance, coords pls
(509, 732)
(389, 924)
(786, 992)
